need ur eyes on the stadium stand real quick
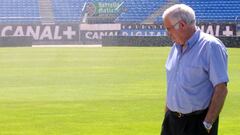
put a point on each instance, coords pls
(133, 11)
(19, 11)
(215, 10)
(138, 10)
(68, 10)
(206, 10)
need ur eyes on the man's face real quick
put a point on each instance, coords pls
(173, 30)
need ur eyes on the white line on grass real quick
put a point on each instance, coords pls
(66, 45)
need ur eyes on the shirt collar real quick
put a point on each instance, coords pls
(191, 41)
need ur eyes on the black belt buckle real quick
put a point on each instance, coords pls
(179, 115)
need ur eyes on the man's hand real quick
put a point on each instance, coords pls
(208, 126)
(219, 95)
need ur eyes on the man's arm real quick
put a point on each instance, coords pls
(217, 103)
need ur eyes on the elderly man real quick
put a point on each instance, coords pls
(196, 76)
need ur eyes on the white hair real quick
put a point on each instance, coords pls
(180, 12)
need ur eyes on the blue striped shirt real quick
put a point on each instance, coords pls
(193, 73)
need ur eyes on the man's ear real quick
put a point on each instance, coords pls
(182, 24)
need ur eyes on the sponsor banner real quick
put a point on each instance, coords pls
(142, 30)
(103, 8)
(217, 29)
(93, 33)
(142, 33)
(142, 27)
(97, 35)
(99, 27)
(42, 33)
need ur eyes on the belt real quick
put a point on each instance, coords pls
(180, 115)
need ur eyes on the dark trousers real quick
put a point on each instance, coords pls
(174, 124)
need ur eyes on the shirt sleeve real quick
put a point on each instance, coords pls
(218, 60)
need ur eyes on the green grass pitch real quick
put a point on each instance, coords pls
(94, 91)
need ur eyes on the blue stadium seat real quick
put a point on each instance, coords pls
(68, 10)
(213, 10)
(139, 10)
(19, 11)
